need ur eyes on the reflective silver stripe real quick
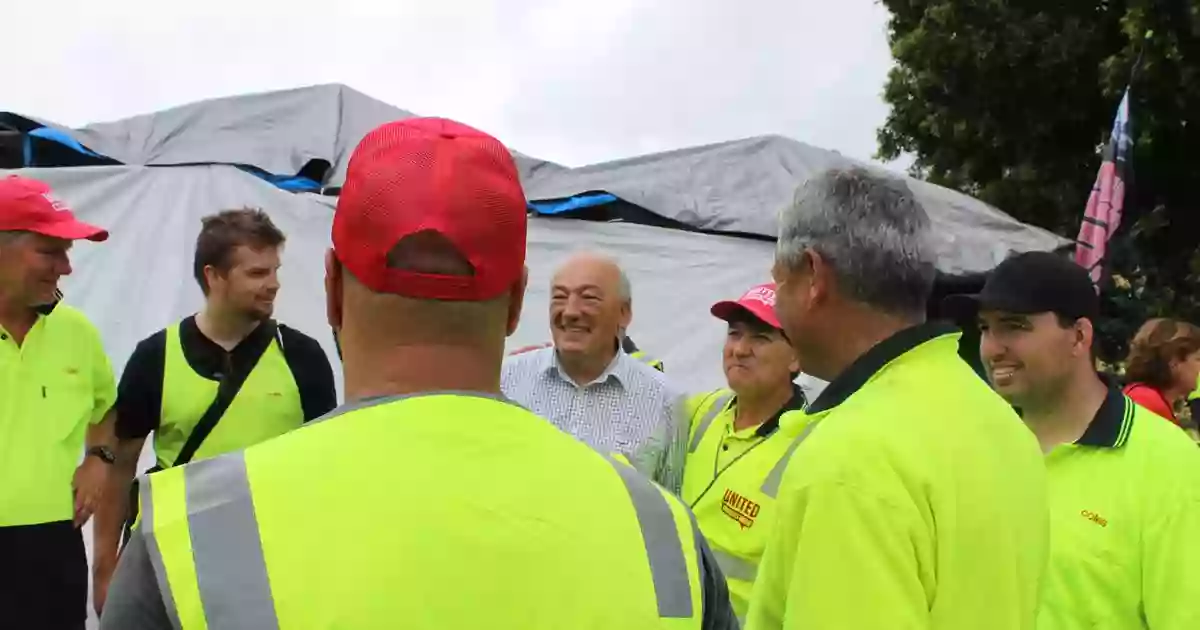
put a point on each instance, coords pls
(230, 570)
(770, 485)
(664, 549)
(735, 568)
(714, 410)
(146, 527)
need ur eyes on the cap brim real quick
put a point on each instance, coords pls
(729, 309)
(73, 231)
(961, 307)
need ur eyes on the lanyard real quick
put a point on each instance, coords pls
(717, 458)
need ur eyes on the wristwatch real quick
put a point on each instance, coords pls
(104, 453)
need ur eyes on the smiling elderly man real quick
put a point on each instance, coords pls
(588, 386)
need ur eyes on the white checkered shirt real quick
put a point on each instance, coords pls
(629, 409)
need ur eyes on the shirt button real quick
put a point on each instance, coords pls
(725, 447)
(3, 337)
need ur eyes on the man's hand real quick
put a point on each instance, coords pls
(91, 478)
(530, 348)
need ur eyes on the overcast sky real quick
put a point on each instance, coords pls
(573, 81)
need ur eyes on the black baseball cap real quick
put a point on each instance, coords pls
(1032, 283)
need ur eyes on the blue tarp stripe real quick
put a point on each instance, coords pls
(558, 206)
(54, 135)
(290, 183)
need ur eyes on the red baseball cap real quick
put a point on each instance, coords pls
(27, 205)
(758, 301)
(432, 174)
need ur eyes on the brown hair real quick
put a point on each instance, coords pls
(1157, 343)
(222, 233)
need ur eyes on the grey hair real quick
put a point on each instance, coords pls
(624, 288)
(872, 232)
(8, 236)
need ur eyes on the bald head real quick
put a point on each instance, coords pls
(590, 304)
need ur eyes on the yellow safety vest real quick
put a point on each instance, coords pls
(736, 509)
(641, 355)
(437, 511)
(268, 404)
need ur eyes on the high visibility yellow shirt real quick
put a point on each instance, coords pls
(918, 501)
(437, 511)
(1125, 525)
(52, 386)
(731, 479)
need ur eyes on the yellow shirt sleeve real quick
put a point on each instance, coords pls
(841, 558)
(104, 384)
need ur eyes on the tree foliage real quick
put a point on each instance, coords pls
(1012, 100)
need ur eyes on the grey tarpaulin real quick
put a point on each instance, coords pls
(278, 132)
(740, 186)
(733, 187)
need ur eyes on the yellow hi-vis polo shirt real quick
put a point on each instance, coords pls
(52, 386)
(918, 501)
(1124, 525)
(731, 479)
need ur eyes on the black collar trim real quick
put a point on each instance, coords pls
(46, 309)
(796, 402)
(1112, 424)
(854, 377)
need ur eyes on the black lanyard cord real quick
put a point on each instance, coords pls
(717, 458)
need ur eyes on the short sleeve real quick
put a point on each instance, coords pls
(313, 373)
(139, 395)
(104, 384)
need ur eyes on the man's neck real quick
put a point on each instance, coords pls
(1065, 418)
(584, 369)
(756, 408)
(225, 328)
(857, 332)
(16, 317)
(382, 370)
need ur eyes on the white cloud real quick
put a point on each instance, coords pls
(573, 82)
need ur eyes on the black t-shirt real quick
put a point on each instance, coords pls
(140, 392)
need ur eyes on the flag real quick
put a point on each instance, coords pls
(1102, 216)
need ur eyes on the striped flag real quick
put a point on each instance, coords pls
(1107, 201)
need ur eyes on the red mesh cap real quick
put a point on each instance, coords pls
(432, 175)
(27, 205)
(759, 301)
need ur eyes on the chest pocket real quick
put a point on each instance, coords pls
(62, 391)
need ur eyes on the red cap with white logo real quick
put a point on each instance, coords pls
(758, 301)
(26, 205)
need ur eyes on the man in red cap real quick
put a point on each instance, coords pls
(56, 390)
(428, 501)
(740, 438)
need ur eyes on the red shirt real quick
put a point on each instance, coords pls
(1151, 399)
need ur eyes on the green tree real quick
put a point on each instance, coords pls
(1012, 100)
